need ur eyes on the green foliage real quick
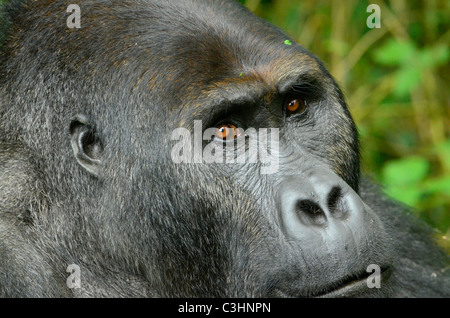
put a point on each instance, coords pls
(404, 178)
(396, 80)
(410, 61)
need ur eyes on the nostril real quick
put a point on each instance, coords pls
(310, 213)
(336, 203)
(333, 198)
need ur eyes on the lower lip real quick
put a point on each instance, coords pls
(347, 289)
(355, 286)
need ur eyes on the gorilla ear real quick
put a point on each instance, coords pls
(86, 145)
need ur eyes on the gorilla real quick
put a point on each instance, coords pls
(187, 149)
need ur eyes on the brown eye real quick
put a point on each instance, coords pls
(227, 131)
(295, 105)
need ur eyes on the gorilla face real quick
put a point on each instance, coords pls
(116, 104)
(224, 228)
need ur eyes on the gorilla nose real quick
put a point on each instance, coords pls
(315, 210)
(316, 202)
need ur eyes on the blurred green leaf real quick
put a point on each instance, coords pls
(438, 185)
(407, 79)
(434, 56)
(405, 171)
(411, 62)
(394, 52)
(406, 194)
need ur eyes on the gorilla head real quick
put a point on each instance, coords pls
(182, 148)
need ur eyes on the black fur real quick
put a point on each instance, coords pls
(139, 224)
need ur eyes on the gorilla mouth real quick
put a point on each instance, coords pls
(352, 283)
(349, 286)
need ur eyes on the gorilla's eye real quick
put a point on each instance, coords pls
(227, 131)
(295, 105)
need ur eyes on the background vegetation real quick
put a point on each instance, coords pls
(396, 80)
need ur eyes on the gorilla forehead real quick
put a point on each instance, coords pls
(185, 46)
(204, 49)
(179, 48)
